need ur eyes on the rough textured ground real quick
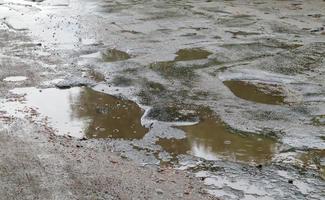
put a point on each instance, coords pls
(35, 165)
(141, 50)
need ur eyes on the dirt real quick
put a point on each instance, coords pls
(257, 66)
(38, 165)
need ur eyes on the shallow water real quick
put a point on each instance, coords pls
(191, 54)
(261, 41)
(83, 112)
(314, 158)
(260, 93)
(170, 69)
(113, 55)
(210, 139)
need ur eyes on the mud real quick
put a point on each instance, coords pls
(257, 65)
(113, 55)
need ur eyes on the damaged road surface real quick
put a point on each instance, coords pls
(162, 99)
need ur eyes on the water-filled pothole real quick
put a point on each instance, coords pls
(259, 92)
(113, 55)
(211, 139)
(81, 112)
(191, 54)
(170, 69)
(314, 158)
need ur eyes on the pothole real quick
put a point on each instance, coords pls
(257, 92)
(172, 114)
(171, 69)
(212, 140)
(191, 54)
(113, 55)
(314, 158)
(82, 112)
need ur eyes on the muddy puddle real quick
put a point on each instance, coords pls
(170, 69)
(314, 158)
(114, 55)
(191, 54)
(260, 93)
(83, 112)
(212, 140)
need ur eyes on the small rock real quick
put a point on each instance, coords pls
(159, 191)
(179, 195)
(160, 170)
(159, 180)
(83, 139)
(259, 166)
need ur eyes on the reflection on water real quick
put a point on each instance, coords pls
(211, 140)
(84, 112)
(261, 93)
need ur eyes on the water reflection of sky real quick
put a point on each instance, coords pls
(84, 112)
(211, 140)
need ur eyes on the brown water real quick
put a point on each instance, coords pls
(260, 93)
(83, 112)
(191, 54)
(314, 157)
(211, 140)
(113, 55)
(169, 69)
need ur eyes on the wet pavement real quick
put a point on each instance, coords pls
(149, 67)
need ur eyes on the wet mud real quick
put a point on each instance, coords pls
(113, 55)
(257, 66)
